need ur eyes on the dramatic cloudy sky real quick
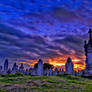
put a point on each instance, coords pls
(49, 29)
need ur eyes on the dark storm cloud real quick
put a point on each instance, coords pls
(72, 43)
(44, 28)
(14, 43)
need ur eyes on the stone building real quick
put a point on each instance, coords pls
(88, 53)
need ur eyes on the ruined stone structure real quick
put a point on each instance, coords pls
(88, 53)
(69, 66)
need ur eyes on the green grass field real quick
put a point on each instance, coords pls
(60, 83)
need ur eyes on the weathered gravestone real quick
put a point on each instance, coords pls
(5, 66)
(21, 69)
(69, 66)
(40, 68)
(15, 68)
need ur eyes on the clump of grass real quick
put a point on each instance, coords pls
(69, 76)
(1, 90)
(60, 83)
(12, 75)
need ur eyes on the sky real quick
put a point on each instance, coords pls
(52, 30)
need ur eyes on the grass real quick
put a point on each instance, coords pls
(1, 90)
(60, 83)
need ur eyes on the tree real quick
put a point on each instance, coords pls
(45, 66)
(48, 66)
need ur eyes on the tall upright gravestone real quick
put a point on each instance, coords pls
(0, 69)
(69, 66)
(6, 66)
(21, 68)
(40, 68)
(14, 69)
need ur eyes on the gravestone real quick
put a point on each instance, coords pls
(61, 72)
(15, 68)
(69, 66)
(0, 69)
(9, 71)
(26, 71)
(46, 72)
(5, 66)
(40, 68)
(21, 69)
(80, 72)
(50, 72)
(55, 72)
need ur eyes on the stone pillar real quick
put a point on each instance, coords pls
(55, 72)
(6, 66)
(40, 68)
(69, 66)
(21, 69)
(50, 71)
(0, 69)
(14, 69)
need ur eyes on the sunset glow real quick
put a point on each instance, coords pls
(60, 62)
(51, 30)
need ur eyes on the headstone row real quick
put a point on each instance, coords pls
(39, 71)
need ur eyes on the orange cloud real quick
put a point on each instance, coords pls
(79, 64)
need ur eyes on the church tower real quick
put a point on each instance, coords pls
(88, 53)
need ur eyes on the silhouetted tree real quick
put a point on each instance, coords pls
(45, 66)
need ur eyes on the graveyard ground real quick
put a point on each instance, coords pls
(60, 83)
